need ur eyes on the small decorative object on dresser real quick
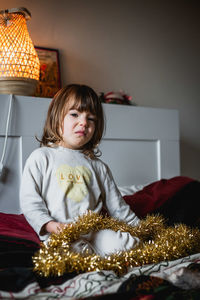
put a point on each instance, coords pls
(116, 98)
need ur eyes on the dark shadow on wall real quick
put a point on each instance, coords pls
(190, 159)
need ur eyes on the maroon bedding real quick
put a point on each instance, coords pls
(16, 226)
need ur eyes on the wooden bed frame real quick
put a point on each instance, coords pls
(140, 145)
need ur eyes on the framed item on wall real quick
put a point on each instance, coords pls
(49, 82)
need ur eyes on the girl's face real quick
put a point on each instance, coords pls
(78, 129)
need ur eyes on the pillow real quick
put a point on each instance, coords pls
(154, 195)
(130, 189)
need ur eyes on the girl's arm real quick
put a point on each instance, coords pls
(115, 204)
(32, 204)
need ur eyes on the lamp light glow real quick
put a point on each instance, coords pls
(19, 62)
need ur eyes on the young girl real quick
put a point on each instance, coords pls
(64, 178)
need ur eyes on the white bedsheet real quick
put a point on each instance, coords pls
(105, 282)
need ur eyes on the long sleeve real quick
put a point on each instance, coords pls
(115, 204)
(32, 204)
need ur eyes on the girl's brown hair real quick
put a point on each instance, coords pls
(82, 98)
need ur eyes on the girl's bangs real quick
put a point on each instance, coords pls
(83, 104)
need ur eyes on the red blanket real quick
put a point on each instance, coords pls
(17, 226)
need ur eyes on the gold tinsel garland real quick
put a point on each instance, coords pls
(158, 243)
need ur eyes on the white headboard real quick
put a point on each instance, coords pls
(141, 145)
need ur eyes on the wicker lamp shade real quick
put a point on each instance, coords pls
(19, 63)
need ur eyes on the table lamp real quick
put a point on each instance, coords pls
(19, 63)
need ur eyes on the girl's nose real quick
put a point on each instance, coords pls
(83, 121)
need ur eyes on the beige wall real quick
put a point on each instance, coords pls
(150, 49)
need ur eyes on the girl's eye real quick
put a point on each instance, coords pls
(91, 119)
(75, 115)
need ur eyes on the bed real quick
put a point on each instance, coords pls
(141, 146)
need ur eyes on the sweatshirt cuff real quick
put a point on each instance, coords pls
(135, 221)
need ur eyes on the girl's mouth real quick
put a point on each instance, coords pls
(81, 133)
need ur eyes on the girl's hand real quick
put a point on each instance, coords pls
(54, 227)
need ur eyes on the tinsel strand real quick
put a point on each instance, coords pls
(158, 243)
